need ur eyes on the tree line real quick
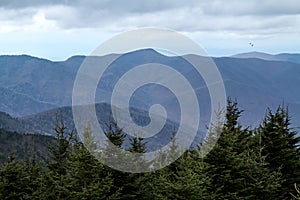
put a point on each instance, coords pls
(245, 163)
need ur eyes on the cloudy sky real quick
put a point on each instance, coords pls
(57, 29)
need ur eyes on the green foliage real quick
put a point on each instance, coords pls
(115, 134)
(238, 172)
(183, 179)
(281, 148)
(87, 177)
(137, 145)
(53, 181)
(18, 180)
(23, 145)
(262, 163)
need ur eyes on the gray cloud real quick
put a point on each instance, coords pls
(116, 6)
(211, 7)
(261, 17)
(253, 7)
(18, 4)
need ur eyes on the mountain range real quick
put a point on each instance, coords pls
(34, 88)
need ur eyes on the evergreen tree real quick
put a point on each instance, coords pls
(131, 181)
(243, 164)
(59, 151)
(114, 155)
(89, 140)
(222, 159)
(235, 170)
(137, 145)
(19, 180)
(257, 181)
(32, 170)
(183, 179)
(115, 134)
(12, 178)
(281, 148)
(53, 180)
(87, 177)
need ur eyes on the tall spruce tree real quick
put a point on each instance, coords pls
(87, 177)
(281, 148)
(183, 179)
(115, 157)
(235, 170)
(53, 180)
(131, 181)
(115, 134)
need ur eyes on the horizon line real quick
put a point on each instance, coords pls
(164, 53)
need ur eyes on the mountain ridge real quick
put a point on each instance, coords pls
(289, 57)
(256, 83)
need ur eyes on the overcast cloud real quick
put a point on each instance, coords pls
(208, 20)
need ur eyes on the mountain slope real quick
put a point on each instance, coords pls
(32, 85)
(18, 104)
(23, 146)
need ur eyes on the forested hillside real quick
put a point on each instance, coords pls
(245, 163)
(23, 146)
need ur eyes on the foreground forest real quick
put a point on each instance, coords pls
(245, 163)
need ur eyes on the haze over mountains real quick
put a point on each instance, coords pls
(30, 86)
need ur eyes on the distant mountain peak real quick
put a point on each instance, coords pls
(146, 51)
(252, 54)
(287, 57)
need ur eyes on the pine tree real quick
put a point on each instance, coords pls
(53, 180)
(19, 179)
(259, 181)
(131, 181)
(183, 179)
(89, 140)
(115, 134)
(60, 150)
(223, 157)
(32, 170)
(236, 170)
(114, 155)
(281, 148)
(87, 176)
(137, 145)
(12, 180)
